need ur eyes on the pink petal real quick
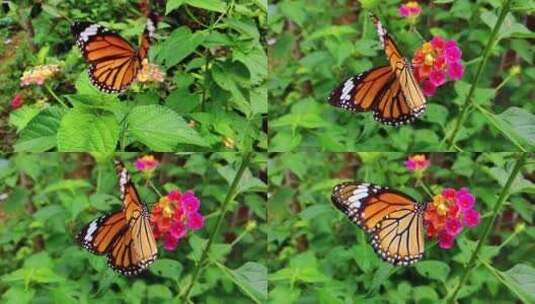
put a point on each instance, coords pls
(465, 201)
(404, 11)
(456, 70)
(452, 54)
(453, 226)
(174, 195)
(437, 77)
(428, 88)
(190, 202)
(170, 242)
(451, 43)
(415, 10)
(195, 221)
(445, 241)
(140, 165)
(472, 218)
(178, 230)
(410, 165)
(449, 193)
(438, 42)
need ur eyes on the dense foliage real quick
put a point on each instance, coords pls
(317, 254)
(50, 197)
(316, 44)
(213, 96)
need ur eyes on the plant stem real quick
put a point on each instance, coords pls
(414, 30)
(426, 188)
(230, 196)
(55, 96)
(149, 182)
(503, 196)
(486, 54)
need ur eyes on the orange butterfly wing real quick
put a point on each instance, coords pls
(391, 91)
(125, 236)
(113, 61)
(393, 219)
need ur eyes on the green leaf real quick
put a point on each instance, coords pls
(167, 268)
(180, 44)
(312, 212)
(256, 62)
(209, 5)
(518, 123)
(246, 27)
(85, 130)
(435, 270)
(509, 28)
(159, 291)
(161, 129)
(22, 116)
(436, 113)
(40, 133)
(172, 5)
(72, 185)
(251, 278)
(521, 280)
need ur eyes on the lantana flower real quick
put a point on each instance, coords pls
(146, 163)
(417, 163)
(150, 73)
(39, 74)
(17, 101)
(410, 10)
(449, 213)
(174, 215)
(436, 61)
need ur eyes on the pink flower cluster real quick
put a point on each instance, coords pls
(146, 163)
(449, 213)
(39, 74)
(173, 215)
(417, 162)
(435, 61)
(410, 9)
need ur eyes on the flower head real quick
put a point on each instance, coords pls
(39, 74)
(410, 10)
(417, 162)
(150, 72)
(448, 213)
(17, 102)
(435, 61)
(174, 215)
(146, 163)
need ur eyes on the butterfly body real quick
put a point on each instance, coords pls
(113, 62)
(391, 92)
(393, 220)
(125, 236)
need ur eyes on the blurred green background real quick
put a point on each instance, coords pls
(47, 198)
(316, 255)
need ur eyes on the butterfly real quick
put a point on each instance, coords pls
(393, 220)
(125, 236)
(391, 92)
(113, 61)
